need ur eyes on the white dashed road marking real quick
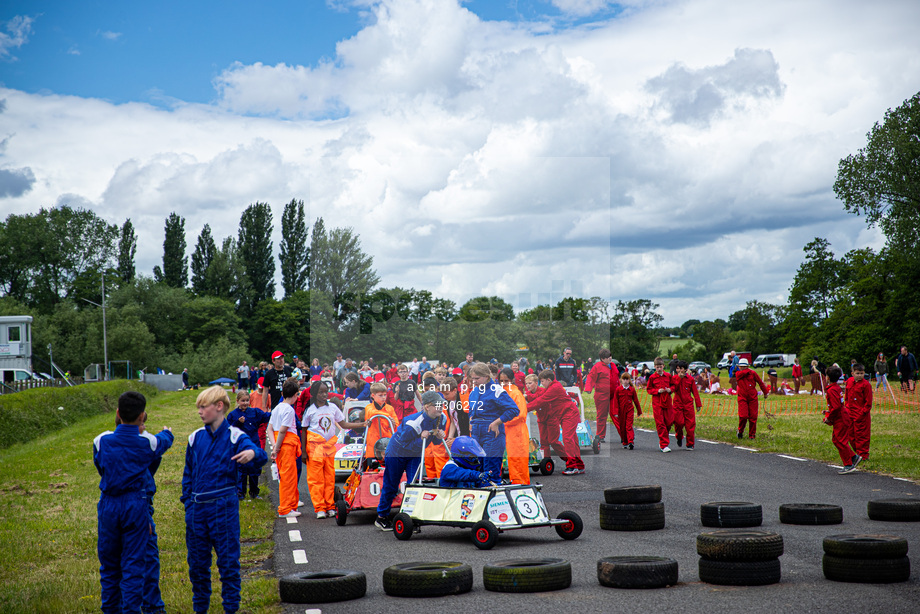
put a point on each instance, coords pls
(746, 449)
(292, 521)
(707, 441)
(300, 557)
(295, 536)
(792, 457)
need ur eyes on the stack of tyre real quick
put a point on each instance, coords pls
(632, 508)
(871, 559)
(738, 557)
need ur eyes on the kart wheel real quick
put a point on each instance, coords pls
(865, 546)
(596, 444)
(866, 571)
(899, 510)
(322, 586)
(547, 466)
(338, 495)
(403, 527)
(740, 573)
(810, 513)
(637, 572)
(633, 494)
(484, 535)
(341, 512)
(735, 545)
(427, 579)
(731, 514)
(573, 528)
(527, 575)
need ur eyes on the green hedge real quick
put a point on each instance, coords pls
(32, 413)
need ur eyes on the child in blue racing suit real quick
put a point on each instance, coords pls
(403, 454)
(464, 470)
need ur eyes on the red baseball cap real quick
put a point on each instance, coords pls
(277, 354)
(315, 378)
(457, 371)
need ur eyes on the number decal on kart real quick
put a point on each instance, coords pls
(527, 506)
(374, 489)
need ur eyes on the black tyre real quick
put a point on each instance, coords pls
(547, 466)
(338, 494)
(527, 575)
(739, 545)
(632, 517)
(633, 494)
(322, 586)
(637, 572)
(866, 571)
(427, 579)
(731, 514)
(484, 534)
(899, 510)
(740, 573)
(403, 527)
(865, 546)
(810, 513)
(341, 512)
(573, 528)
(596, 444)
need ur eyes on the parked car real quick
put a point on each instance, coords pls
(699, 364)
(770, 360)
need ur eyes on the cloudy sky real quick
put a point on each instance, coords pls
(682, 151)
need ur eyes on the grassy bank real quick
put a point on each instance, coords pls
(29, 414)
(48, 494)
(793, 426)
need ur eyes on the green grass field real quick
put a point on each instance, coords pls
(667, 344)
(48, 498)
(793, 426)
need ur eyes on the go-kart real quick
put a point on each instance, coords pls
(487, 512)
(350, 448)
(362, 489)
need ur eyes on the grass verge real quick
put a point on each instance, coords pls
(895, 447)
(48, 521)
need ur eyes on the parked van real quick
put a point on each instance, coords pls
(15, 375)
(770, 360)
(727, 360)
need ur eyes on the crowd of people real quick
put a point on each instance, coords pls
(476, 410)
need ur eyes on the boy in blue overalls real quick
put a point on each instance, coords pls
(123, 459)
(248, 419)
(404, 452)
(212, 510)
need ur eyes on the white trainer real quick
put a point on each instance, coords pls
(320, 514)
(666, 449)
(291, 514)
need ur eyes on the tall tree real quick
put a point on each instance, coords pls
(255, 251)
(882, 180)
(175, 263)
(342, 270)
(295, 252)
(202, 258)
(127, 248)
(226, 276)
(318, 252)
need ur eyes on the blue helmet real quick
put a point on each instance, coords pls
(467, 453)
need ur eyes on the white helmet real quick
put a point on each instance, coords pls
(743, 362)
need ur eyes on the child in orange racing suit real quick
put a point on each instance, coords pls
(660, 386)
(379, 428)
(319, 426)
(517, 440)
(436, 456)
(684, 395)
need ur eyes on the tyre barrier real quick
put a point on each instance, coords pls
(739, 558)
(633, 494)
(424, 579)
(731, 514)
(322, 586)
(898, 510)
(631, 516)
(867, 559)
(637, 572)
(810, 513)
(527, 575)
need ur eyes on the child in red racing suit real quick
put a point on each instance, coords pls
(660, 386)
(748, 380)
(623, 399)
(684, 395)
(556, 411)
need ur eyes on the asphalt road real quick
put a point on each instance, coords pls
(713, 472)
